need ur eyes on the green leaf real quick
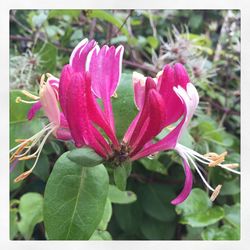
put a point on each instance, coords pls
(225, 232)
(48, 56)
(86, 157)
(75, 199)
(155, 200)
(153, 41)
(197, 210)
(232, 214)
(121, 174)
(231, 187)
(106, 216)
(153, 229)
(31, 212)
(13, 223)
(205, 218)
(129, 216)
(154, 165)
(106, 16)
(59, 13)
(101, 235)
(121, 197)
(123, 105)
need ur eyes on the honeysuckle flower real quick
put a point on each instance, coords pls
(93, 75)
(48, 101)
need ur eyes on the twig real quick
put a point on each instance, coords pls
(92, 29)
(140, 66)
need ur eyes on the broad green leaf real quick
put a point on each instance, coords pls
(13, 223)
(197, 201)
(231, 187)
(232, 214)
(123, 105)
(120, 197)
(154, 165)
(197, 210)
(225, 232)
(101, 235)
(31, 213)
(154, 229)
(205, 218)
(121, 174)
(106, 216)
(106, 16)
(129, 216)
(155, 200)
(74, 200)
(86, 157)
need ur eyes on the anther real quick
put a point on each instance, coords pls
(25, 92)
(231, 165)
(23, 176)
(215, 193)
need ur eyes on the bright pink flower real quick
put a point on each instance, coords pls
(168, 99)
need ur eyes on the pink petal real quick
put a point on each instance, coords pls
(181, 75)
(156, 108)
(63, 134)
(105, 70)
(166, 83)
(82, 131)
(187, 185)
(190, 100)
(49, 103)
(146, 125)
(64, 83)
(96, 113)
(33, 110)
(139, 89)
(79, 55)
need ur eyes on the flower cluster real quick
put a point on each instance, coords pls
(72, 106)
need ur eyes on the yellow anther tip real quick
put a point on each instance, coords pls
(215, 193)
(18, 99)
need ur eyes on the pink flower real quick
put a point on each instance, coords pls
(94, 73)
(58, 126)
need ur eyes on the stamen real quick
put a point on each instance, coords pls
(23, 176)
(20, 149)
(19, 99)
(25, 92)
(199, 172)
(220, 158)
(115, 95)
(231, 165)
(215, 193)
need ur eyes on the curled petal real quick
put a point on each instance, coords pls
(166, 83)
(79, 55)
(49, 103)
(187, 185)
(105, 70)
(190, 101)
(154, 107)
(33, 110)
(181, 75)
(139, 81)
(64, 83)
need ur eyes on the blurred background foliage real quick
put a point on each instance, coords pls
(207, 42)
